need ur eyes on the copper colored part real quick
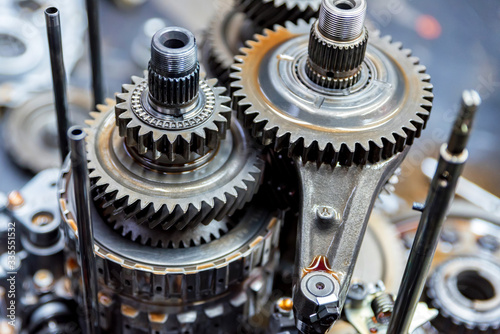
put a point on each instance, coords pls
(16, 200)
(286, 304)
(319, 263)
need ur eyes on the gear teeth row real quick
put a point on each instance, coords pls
(198, 136)
(337, 57)
(272, 133)
(190, 282)
(114, 201)
(267, 13)
(172, 239)
(174, 91)
(115, 205)
(330, 82)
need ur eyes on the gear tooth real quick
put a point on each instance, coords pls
(420, 68)
(136, 80)
(414, 60)
(122, 97)
(127, 88)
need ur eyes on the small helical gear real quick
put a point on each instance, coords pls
(123, 188)
(301, 118)
(196, 131)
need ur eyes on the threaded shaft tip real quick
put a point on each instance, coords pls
(342, 20)
(174, 52)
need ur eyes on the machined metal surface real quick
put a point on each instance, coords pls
(182, 271)
(286, 112)
(218, 186)
(170, 134)
(326, 131)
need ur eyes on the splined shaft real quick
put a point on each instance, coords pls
(337, 44)
(174, 70)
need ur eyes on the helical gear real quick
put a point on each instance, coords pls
(123, 188)
(205, 270)
(196, 131)
(327, 136)
(243, 18)
(267, 13)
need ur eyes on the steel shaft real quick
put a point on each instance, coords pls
(442, 190)
(87, 261)
(53, 22)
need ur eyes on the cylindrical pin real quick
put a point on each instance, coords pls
(58, 76)
(87, 261)
(95, 50)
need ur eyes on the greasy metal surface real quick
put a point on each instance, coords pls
(339, 238)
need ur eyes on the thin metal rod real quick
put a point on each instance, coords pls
(442, 190)
(87, 261)
(58, 77)
(95, 50)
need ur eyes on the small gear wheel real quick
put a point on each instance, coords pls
(215, 186)
(465, 290)
(197, 128)
(371, 121)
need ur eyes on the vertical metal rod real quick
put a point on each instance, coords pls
(95, 50)
(81, 185)
(442, 190)
(58, 77)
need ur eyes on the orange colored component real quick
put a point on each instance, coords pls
(319, 263)
(16, 200)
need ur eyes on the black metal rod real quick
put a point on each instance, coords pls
(87, 261)
(95, 50)
(58, 77)
(442, 190)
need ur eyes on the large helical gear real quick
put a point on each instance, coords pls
(123, 188)
(267, 13)
(285, 110)
(236, 21)
(196, 131)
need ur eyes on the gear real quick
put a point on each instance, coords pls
(465, 290)
(286, 110)
(205, 270)
(226, 35)
(189, 237)
(236, 23)
(217, 185)
(196, 131)
(267, 13)
(30, 131)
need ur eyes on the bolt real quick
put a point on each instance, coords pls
(489, 242)
(326, 213)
